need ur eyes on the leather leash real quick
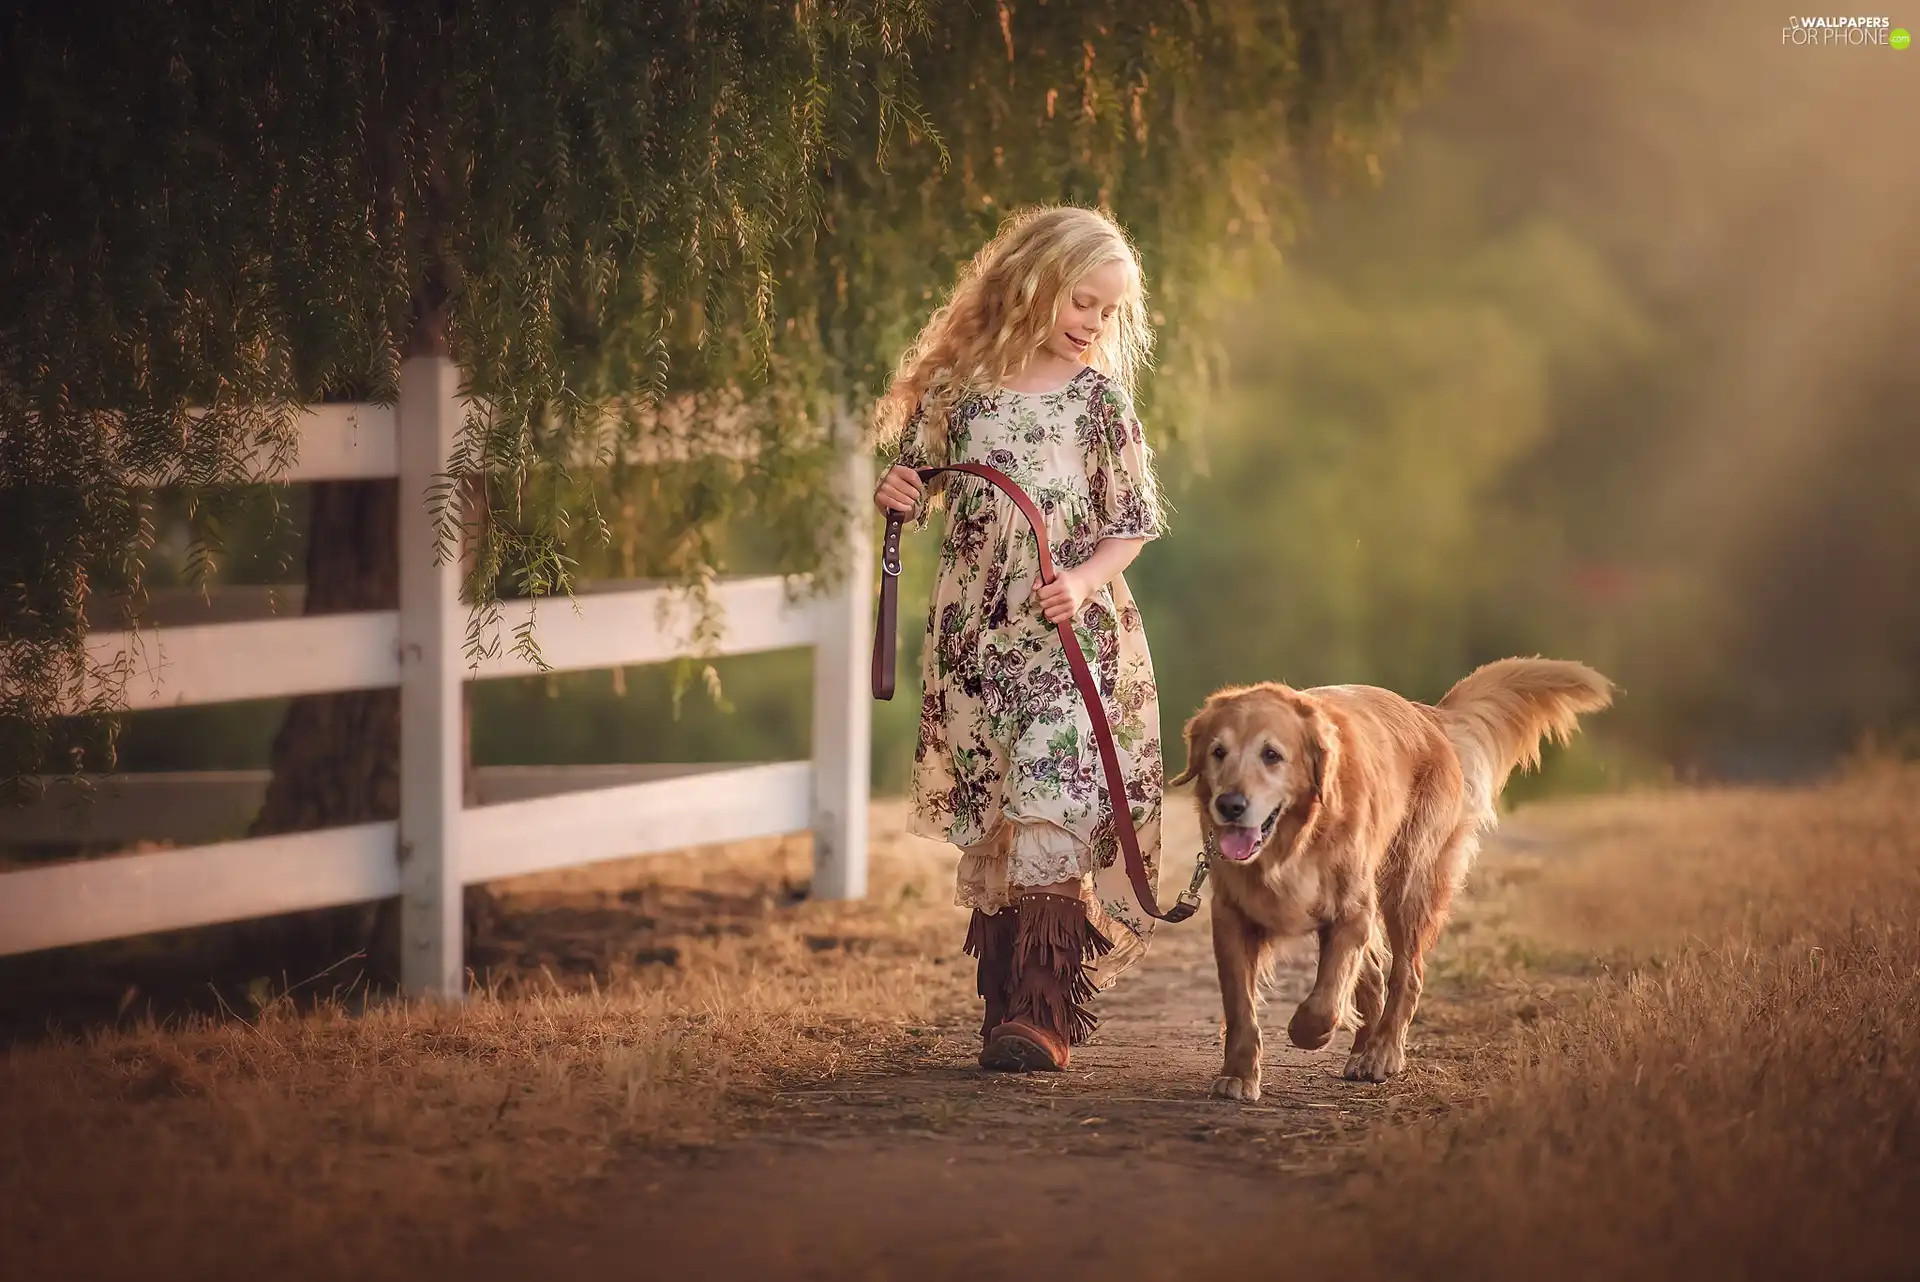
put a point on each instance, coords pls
(885, 636)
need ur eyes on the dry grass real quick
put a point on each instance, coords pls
(1670, 1035)
(418, 1124)
(1739, 1097)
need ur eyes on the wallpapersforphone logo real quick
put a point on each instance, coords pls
(1829, 32)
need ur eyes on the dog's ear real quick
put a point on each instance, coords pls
(1326, 758)
(1197, 734)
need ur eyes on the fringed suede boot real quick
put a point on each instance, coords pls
(1047, 1012)
(990, 941)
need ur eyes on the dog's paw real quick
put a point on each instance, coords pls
(1244, 1089)
(1310, 1029)
(1379, 1061)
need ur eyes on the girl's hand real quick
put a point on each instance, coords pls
(1061, 599)
(898, 491)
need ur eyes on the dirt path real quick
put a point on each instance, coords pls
(939, 1170)
(1119, 1167)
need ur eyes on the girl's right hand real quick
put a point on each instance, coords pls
(899, 490)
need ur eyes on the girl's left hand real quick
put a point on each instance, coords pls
(1061, 599)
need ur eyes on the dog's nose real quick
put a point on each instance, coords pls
(1230, 805)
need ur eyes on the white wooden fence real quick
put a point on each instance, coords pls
(437, 846)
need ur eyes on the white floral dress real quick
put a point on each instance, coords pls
(1006, 766)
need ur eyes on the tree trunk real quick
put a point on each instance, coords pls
(336, 759)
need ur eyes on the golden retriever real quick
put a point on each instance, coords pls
(1355, 814)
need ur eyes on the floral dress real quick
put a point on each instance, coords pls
(1006, 765)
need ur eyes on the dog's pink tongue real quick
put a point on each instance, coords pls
(1237, 843)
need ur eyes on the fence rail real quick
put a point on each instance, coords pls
(347, 443)
(267, 658)
(437, 846)
(89, 900)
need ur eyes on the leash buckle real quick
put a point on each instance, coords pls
(1191, 895)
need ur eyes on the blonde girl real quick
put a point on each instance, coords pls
(1029, 367)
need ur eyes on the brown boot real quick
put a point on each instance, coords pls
(990, 939)
(1047, 1013)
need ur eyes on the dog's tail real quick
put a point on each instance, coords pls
(1498, 715)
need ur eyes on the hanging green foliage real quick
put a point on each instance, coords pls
(682, 239)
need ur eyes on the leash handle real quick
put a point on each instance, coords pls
(885, 624)
(885, 639)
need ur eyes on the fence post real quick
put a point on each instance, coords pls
(431, 635)
(842, 712)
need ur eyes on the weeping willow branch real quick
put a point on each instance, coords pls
(660, 239)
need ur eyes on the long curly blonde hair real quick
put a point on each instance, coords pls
(1001, 310)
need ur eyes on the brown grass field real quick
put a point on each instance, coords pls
(1670, 1034)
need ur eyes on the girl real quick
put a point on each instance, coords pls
(1029, 367)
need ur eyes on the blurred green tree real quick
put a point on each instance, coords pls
(1357, 518)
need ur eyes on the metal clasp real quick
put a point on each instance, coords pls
(1201, 867)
